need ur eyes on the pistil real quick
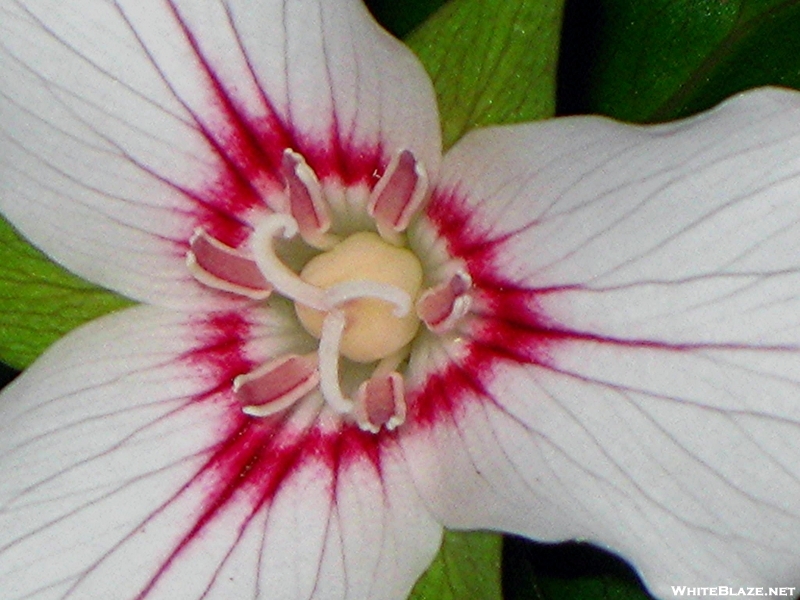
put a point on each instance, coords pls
(369, 277)
(362, 290)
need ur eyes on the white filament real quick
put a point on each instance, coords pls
(283, 279)
(346, 291)
(329, 342)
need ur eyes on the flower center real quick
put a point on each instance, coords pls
(362, 296)
(372, 331)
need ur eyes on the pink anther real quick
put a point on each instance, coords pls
(398, 195)
(276, 385)
(380, 402)
(307, 204)
(224, 268)
(442, 306)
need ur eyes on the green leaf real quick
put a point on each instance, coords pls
(466, 568)
(663, 59)
(491, 61)
(40, 301)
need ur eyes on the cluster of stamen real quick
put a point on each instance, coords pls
(362, 296)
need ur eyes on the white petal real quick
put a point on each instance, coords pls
(635, 378)
(364, 534)
(125, 126)
(337, 71)
(129, 471)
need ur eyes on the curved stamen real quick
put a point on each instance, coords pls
(283, 279)
(306, 201)
(276, 385)
(329, 342)
(398, 195)
(224, 268)
(442, 307)
(346, 291)
(380, 402)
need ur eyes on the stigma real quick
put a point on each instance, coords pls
(365, 261)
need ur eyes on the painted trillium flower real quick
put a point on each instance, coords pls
(573, 329)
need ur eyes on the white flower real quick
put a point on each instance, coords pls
(574, 329)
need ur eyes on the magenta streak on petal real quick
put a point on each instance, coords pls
(512, 329)
(344, 160)
(253, 464)
(255, 457)
(252, 148)
(221, 212)
(509, 326)
(252, 156)
(202, 202)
